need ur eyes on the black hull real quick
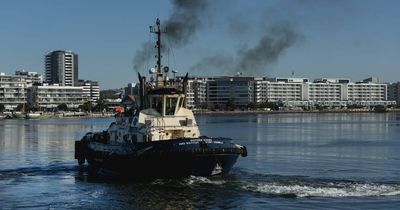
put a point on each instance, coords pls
(174, 158)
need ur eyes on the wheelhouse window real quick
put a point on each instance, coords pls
(157, 104)
(181, 100)
(170, 107)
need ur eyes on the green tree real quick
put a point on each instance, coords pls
(87, 106)
(203, 105)
(230, 105)
(20, 107)
(28, 107)
(62, 107)
(100, 106)
(253, 105)
(271, 105)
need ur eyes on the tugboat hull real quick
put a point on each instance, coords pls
(174, 158)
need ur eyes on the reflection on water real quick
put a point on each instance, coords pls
(295, 161)
(37, 142)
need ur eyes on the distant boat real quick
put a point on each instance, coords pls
(34, 115)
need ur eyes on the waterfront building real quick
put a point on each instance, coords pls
(131, 89)
(368, 94)
(224, 91)
(285, 90)
(260, 90)
(326, 92)
(48, 97)
(12, 91)
(32, 78)
(330, 92)
(61, 68)
(289, 92)
(196, 94)
(394, 92)
(112, 104)
(91, 90)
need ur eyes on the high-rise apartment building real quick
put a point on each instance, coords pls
(61, 68)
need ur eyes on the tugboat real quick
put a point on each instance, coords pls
(157, 137)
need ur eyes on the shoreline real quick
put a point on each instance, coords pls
(50, 115)
(240, 112)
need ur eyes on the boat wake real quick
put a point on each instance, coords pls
(287, 186)
(239, 181)
(295, 186)
(195, 180)
(51, 169)
(329, 189)
(191, 181)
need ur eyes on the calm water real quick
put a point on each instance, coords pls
(296, 161)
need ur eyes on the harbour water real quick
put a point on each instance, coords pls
(296, 161)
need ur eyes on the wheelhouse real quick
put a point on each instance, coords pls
(166, 102)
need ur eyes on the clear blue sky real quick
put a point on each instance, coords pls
(338, 38)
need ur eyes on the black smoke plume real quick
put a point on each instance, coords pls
(184, 21)
(181, 26)
(268, 49)
(253, 61)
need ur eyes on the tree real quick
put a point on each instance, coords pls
(230, 105)
(253, 105)
(87, 106)
(20, 107)
(62, 107)
(271, 105)
(28, 107)
(100, 106)
(203, 105)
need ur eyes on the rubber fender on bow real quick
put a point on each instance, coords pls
(244, 153)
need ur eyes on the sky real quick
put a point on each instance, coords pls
(352, 39)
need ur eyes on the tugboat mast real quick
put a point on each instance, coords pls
(158, 32)
(159, 74)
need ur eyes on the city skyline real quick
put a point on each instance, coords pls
(334, 39)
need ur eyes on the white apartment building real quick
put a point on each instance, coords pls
(284, 89)
(31, 77)
(367, 94)
(12, 91)
(196, 93)
(50, 96)
(260, 90)
(293, 92)
(91, 90)
(326, 92)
